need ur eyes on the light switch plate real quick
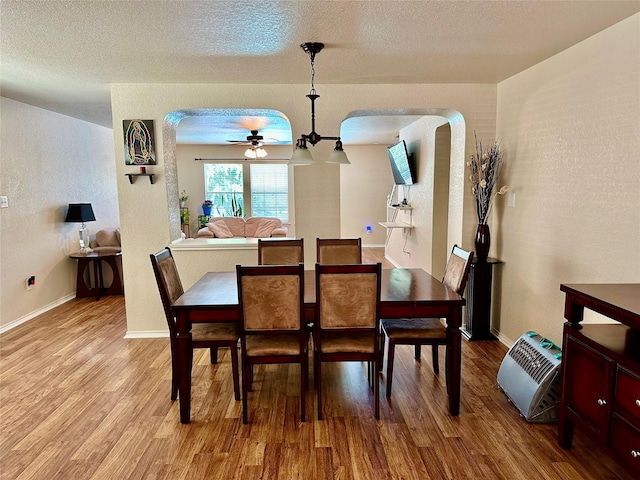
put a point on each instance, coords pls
(511, 199)
(4, 201)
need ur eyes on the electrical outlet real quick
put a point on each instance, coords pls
(368, 229)
(511, 199)
(31, 281)
(4, 201)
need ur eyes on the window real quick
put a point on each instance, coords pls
(270, 191)
(248, 189)
(223, 185)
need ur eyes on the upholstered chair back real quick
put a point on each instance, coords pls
(271, 302)
(169, 284)
(348, 300)
(339, 251)
(456, 272)
(280, 252)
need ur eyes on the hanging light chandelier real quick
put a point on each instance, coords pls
(302, 155)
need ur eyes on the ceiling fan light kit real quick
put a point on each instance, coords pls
(255, 152)
(301, 155)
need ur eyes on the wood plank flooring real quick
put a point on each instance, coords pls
(78, 401)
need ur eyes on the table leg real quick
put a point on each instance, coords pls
(97, 278)
(82, 290)
(454, 360)
(185, 361)
(116, 287)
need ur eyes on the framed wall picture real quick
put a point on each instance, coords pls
(139, 142)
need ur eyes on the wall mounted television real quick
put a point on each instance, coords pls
(402, 164)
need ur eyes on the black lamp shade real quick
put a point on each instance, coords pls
(80, 212)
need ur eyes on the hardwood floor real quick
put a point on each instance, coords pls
(78, 401)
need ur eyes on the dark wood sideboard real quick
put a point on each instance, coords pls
(600, 373)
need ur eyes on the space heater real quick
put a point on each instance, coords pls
(530, 377)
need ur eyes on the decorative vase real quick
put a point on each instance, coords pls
(206, 210)
(483, 242)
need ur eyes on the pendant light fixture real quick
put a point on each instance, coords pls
(301, 155)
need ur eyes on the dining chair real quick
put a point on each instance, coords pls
(271, 308)
(280, 252)
(212, 335)
(425, 331)
(347, 326)
(337, 251)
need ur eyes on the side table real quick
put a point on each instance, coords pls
(478, 310)
(97, 289)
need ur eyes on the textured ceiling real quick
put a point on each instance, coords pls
(62, 55)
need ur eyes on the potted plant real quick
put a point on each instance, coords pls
(207, 205)
(183, 198)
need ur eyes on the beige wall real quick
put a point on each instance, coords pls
(317, 187)
(48, 160)
(364, 186)
(425, 246)
(570, 129)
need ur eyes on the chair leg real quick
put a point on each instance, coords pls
(234, 370)
(434, 355)
(246, 369)
(376, 388)
(416, 353)
(175, 369)
(381, 350)
(318, 380)
(304, 376)
(447, 370)
(174, 379)
(213, 354)
(390, 356)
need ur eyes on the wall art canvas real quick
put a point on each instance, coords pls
(139, 142)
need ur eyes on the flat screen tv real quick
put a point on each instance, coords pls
(401, 164)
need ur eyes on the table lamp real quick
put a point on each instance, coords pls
(80, 213)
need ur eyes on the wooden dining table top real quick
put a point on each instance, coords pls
(400, 287)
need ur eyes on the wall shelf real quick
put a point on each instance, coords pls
(395, 225)
(132, 176)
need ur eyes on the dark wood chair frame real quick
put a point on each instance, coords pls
(434, 341)
(332, 242)
(264, 244)
(371, 358)
(211, 343)
(249, 361)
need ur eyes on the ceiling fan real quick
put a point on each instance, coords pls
(253, 140)
(255, 143)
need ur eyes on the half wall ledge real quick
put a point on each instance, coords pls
(214, 244)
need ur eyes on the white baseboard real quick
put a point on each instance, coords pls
(147, 334)
(504, 340)
(37, 312)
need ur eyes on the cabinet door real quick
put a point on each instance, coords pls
(588, 389)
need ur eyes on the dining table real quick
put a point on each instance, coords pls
(404, 293)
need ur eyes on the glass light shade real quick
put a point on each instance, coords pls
(338, 156)
(258, 152)
(301, 155)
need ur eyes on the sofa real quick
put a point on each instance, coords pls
(238, 227)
